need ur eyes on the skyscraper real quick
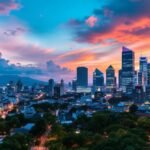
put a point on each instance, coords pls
(98, 79)
(59, 89)
(62, 86)
(51, 85)
(127, 72)
(82, 76)
(142, 75)
(148, 74)
(110, 79)
(148, 82)
(74, 84)
(138, 94)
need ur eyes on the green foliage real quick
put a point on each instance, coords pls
(50, 119)
(16, 142)
(105, 131)
(58, 130)
(133, 108)
(39, 128)
(144, 122)
(11, 122)
(46, 107)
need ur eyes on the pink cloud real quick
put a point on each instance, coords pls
(91, 21)
(8, 5)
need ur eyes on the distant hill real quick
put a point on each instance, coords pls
(4, 79)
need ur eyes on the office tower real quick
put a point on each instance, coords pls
(148, 83)
(142, 75)
(140, 78)
(127, 72)
(51, 85)
(98, 79)
(110, 79)
(58, 90)
(120, 78)
(62, 87)
(135, 80)
(82, 77)
(148, 74)
(148, 93)
(138, 94)
(74, 85)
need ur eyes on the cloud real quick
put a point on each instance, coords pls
(11, 69)
(6, 6)
(53, 68)
(36, 60)
(15, 31)
(130, 16)
(91, 21)
(50, 70)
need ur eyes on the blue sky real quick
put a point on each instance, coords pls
(70, 33)
(43, 16)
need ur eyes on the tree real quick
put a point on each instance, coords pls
(16, 142)
(133, 108)
(39, 128)
(51, 119)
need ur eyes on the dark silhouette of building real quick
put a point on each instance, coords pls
(74, 85)
(82, 77)
(62, 86)
(51, 84)
(58, 91)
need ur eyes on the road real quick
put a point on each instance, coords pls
(42, 140)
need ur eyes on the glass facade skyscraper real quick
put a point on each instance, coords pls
(98, 79)
(142, 75)
(110, 79)
(51, 84)
(148, 74)
(127, 73)
(82, 77)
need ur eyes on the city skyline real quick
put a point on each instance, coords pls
(74, 74)
(91, 34)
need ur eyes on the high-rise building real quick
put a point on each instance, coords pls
(62, 85)
(98, 79)
(148, 93)
(148, 74)
(127, 72)
(58, 90)
(138, 94)
(51, 85)
(74, 85)
(142, 75)
(110, 79)
(82, 76)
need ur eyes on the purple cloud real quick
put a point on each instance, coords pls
(15, 31)
(51, 70)
(6, 6)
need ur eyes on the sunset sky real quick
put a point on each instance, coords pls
(50, 38)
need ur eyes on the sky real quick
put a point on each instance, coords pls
(45, 39)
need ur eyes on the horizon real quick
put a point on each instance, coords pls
(42, 44)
